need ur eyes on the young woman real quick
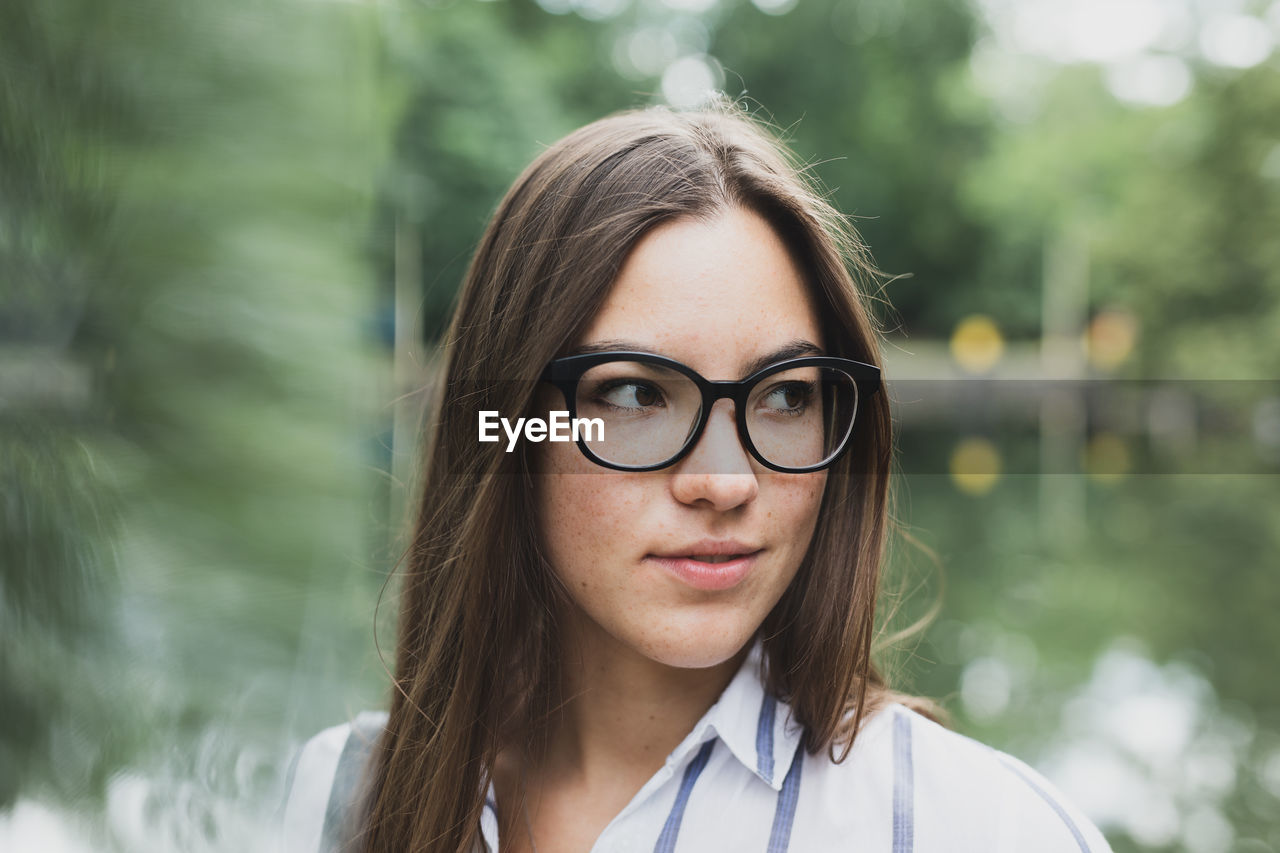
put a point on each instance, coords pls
(658, 636)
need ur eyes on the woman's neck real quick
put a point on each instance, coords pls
(621, 716)
(623, 712)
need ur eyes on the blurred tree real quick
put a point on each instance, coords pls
(484, 86)
(183, 368)
(1179, 204)
(874, 93)
(58, 112)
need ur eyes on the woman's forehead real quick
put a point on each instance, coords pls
(720, 293)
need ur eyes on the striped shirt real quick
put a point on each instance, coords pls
(740, 782)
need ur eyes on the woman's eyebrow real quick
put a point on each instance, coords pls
(793, 349)
(611, 346)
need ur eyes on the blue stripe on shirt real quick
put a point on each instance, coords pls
(764, 738)
(1054, 804)
(671, 829)
(904, 829)
(785, 814)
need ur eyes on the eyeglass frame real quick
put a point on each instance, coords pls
(566, 372)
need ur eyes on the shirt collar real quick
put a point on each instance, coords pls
(757, 727)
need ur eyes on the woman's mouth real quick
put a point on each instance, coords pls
(710, 566)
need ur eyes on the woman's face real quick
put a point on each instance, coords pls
(719, 296)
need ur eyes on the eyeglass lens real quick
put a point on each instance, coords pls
(795, 418)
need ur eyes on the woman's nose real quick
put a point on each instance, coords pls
(718, 470)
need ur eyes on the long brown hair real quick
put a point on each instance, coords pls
(476, 665)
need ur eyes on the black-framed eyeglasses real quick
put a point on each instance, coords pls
(793, 416)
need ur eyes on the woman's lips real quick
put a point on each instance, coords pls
(699, 572)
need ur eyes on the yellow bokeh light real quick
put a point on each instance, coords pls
(975, 466)
(1111, 338)
(1107, 458)
(976, 343)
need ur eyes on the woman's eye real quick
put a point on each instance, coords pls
(788, 398)
(630, 395)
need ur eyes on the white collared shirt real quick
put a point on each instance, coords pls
(740, 782)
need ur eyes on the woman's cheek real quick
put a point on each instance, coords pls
(588, 520)
(800, 505)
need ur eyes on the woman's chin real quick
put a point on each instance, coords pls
(701, 649)
(679, 636)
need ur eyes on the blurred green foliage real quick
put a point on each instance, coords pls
(186, 374)
(1179, 206)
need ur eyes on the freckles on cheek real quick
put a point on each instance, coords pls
(806, 502)
(587, 520)
(799, 495)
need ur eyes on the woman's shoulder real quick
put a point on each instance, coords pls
(321, 785)
(952, 786)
